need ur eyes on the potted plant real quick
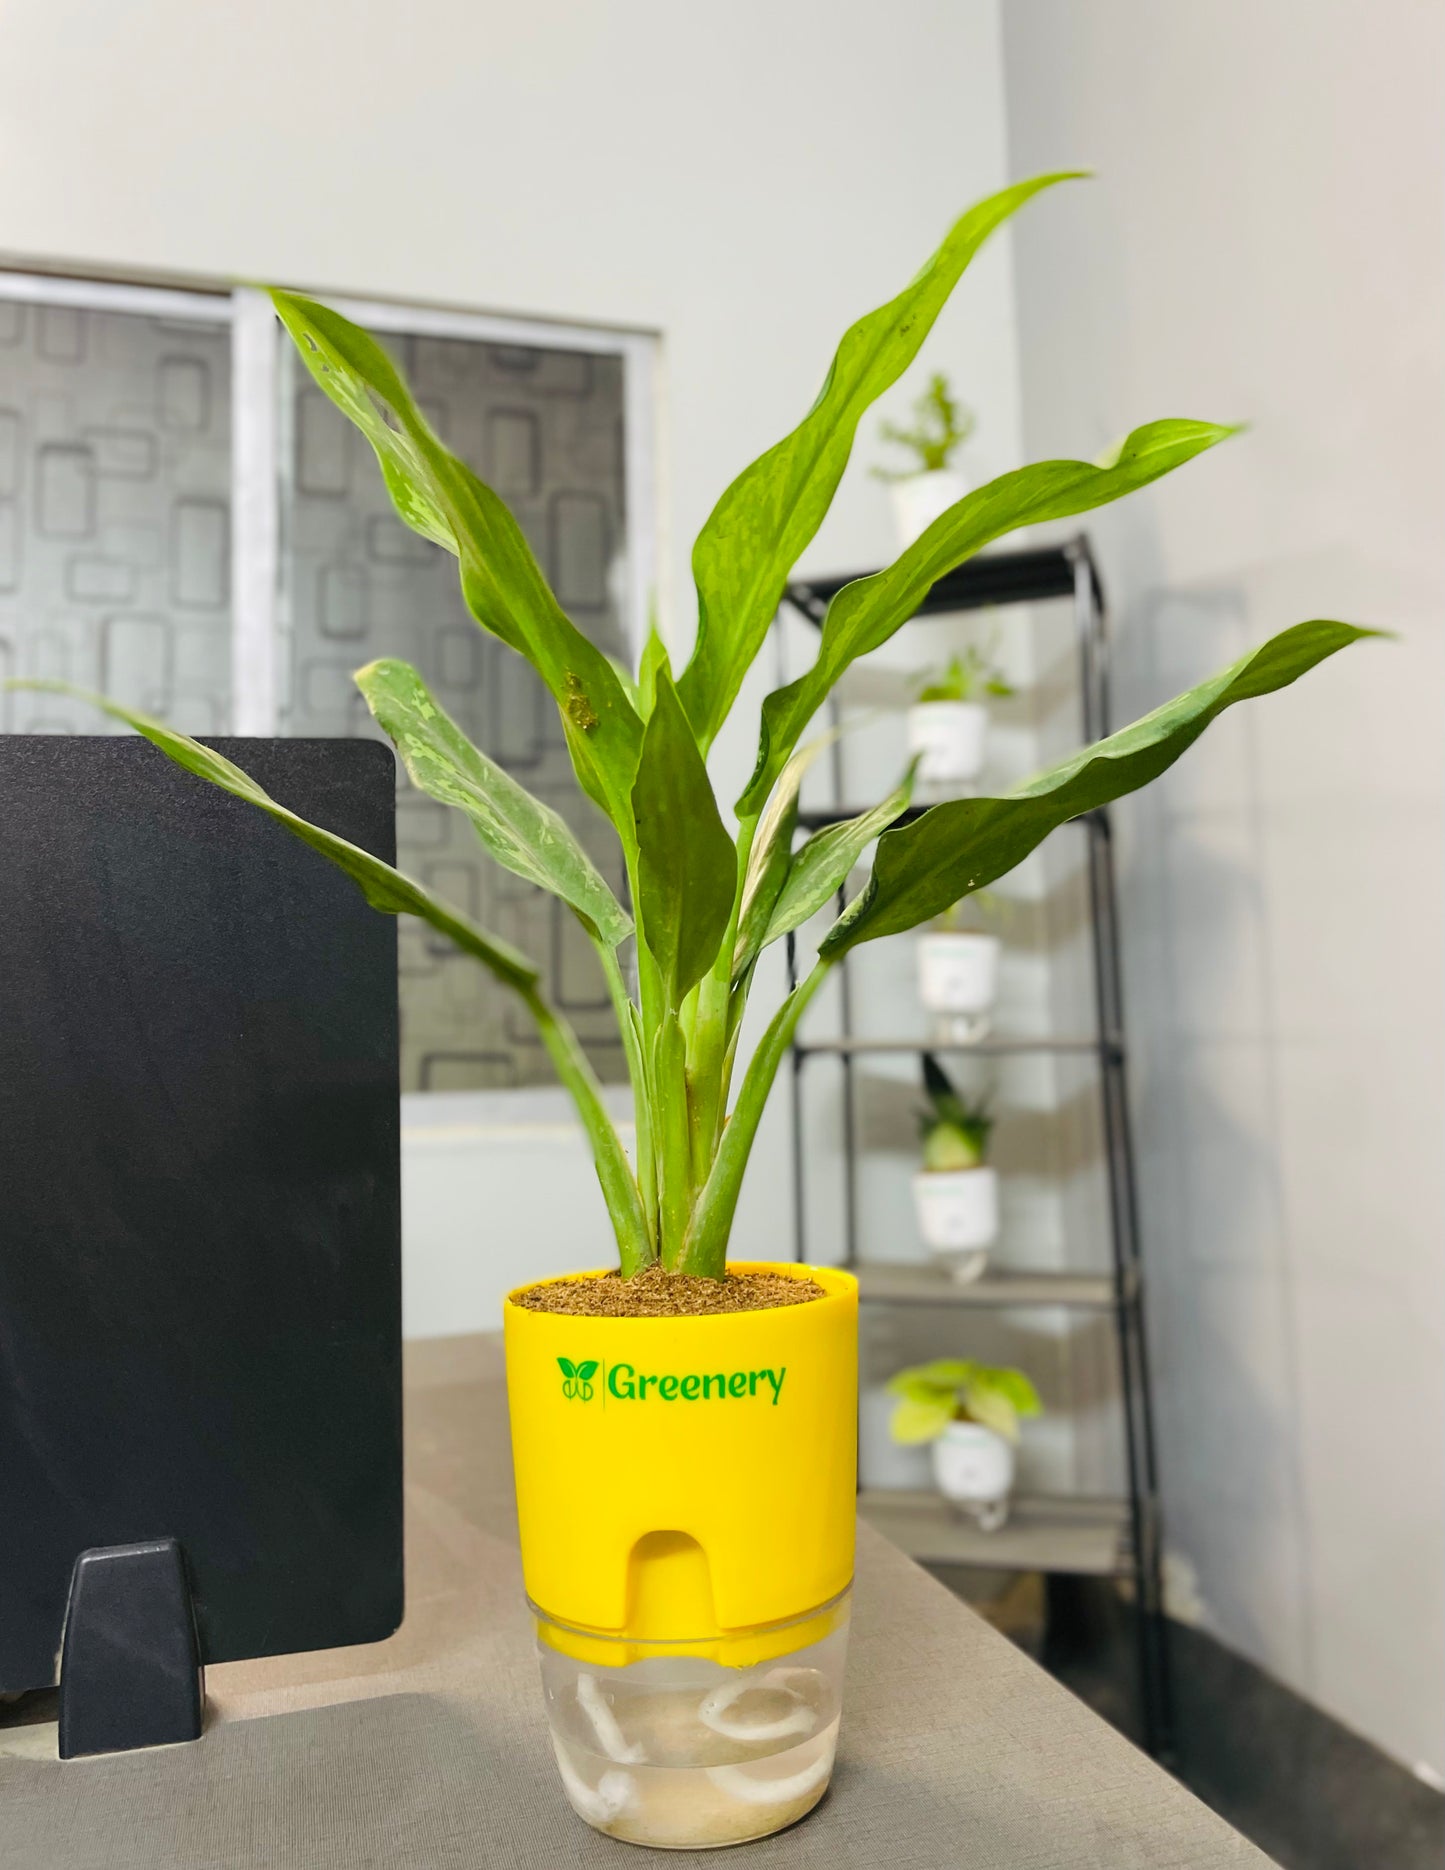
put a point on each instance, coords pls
(955, 1193)
(958, 975)
(969, 1412)
(948, 723)
(687, 1530)
(929, 485)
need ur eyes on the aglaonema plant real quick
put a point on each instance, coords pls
(707, 898)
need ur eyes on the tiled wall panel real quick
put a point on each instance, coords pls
(115, 504)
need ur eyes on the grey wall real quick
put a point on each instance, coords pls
(1264, 242)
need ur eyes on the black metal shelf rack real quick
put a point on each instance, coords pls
(1122, 1537)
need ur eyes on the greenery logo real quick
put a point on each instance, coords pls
(577, 1379)
(625, 1383)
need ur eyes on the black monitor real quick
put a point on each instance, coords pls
(200, 1305)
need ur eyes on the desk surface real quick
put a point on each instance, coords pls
(429, 1751)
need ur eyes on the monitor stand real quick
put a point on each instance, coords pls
(130, 1667)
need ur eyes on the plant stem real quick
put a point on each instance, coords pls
(674, 1141)
(614, 1172)
(707, 1055)
(629, 1026)
(705, 1251)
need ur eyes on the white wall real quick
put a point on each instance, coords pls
(745, 180)
(1264, 241)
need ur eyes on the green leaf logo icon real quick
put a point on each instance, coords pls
(577, 1378)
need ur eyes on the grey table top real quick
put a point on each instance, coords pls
(429, 1751)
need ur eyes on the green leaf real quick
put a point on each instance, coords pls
(991, 1409)
(923, 868)
(766, 518)
(384, 887)
(955, 1129)
(941, 1092)
(944, 1376)
(524, 835)
(867, 612)
(360, 378)
(948, 1147)
(771, 855)
(568, 1368)
(826, 861)
(918, 1389)
(655, 661)
(440, 497)
(1016, 1389)
(687, 866)
(625, 1209)
(586, 1372)
(918, 1421)
(628, 681)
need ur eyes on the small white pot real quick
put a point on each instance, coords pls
(949, 738)
(958, 1216)
(918, 501)
(958, 979)
(974, 1469)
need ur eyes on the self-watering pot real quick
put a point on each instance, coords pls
(958, 981)
(958, 1216)
(921, 498)
(974, 1470)
(685, 1498)
(949, 738)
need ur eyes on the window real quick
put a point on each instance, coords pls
(115, 511)
(188, 524)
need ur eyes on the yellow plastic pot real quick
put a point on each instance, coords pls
(685, 1497)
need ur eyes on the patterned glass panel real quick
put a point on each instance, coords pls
(115, 515)
(544, 427)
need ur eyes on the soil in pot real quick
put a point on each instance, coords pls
(656, 1293)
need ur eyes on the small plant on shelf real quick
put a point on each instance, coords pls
(955, 1192)
(930, 484)
(955, 1129)
(966, 676)
(941, 425)
(948, 721)
(958, 1389)
(969, 1413)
